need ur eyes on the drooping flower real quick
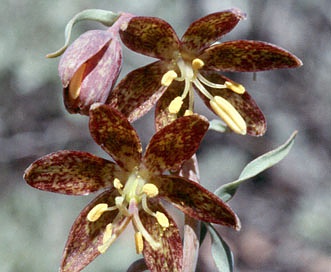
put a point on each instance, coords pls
(133, 187)
(194, 62)
(90, 67)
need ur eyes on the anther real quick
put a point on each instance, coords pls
(150, 190)
(188, 113)
(197, 64)
(162, 219)
(138, 238)
(235, 87)
(229, 114)
(76, 81)
(96, 212)
(117, 184)
(168, 77)
(175, 105)
(108, 233)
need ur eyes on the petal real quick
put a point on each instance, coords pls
(170, 254)
(175, 143)
(113, 132)
(162, 115)
(71, 173)
(150, 36)
(81, 50)
(85, 237)
(207, 30)
(194, 200)
(243, 103)
(97, 80)
(248, 56)
(137, 93)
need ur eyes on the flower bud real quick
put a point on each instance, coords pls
(89, 68)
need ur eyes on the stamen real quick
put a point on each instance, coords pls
(117, 184)
(150, 190)
(229, 114)
(235, 87)
(162, 219)
(108, 233)
(138, 238)
(188, 113)
(175, 105)
(197, 64)
(168, 77)
(96, 212)
(76, 81)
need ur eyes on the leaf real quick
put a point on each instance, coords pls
(221, 252)
(255, 167)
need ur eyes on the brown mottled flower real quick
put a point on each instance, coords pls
(133, 186)
(90, 67)
(194, 62)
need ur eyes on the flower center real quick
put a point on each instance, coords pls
(133, 197)
(189, 73)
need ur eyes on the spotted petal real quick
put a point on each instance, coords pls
(248, 56)
(117, 137)
(150, 36)
(244, 104)
(175, 143)
(71, 173)
(207, 30)
(170, 254)
(137, 93)
(85, 237)
(194, 200)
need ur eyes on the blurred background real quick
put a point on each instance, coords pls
(285, 212)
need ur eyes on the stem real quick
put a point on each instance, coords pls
(190, 170)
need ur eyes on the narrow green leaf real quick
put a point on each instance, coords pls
(255, 167)
(221, 252)
(217, 125)
(103, 16)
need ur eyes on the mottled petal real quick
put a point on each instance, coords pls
(243, 103)
(98, 77)
(81, 50)
(150, 36)
(175, 143)
(207, 30)
(194, 200)
(162, 115)
(85, 237)
(138, 92)
(170, 254)
(113, 132)
(71, 173)
(248, 56)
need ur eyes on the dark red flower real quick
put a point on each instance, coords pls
(194, 62)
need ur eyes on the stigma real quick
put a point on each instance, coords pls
(133, 197)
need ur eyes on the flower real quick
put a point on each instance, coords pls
(90, 67)
(133, 186)
(194, 62)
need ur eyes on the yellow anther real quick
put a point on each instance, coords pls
(96, 212)
(76, 82)
(188, 113)
(175, 105)
(229, 114)
(197, 64)
(117, 184)
(138, 238)
(235, 87)
(150, 190)
(108, 233)
(168, 77)
(162, 219)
